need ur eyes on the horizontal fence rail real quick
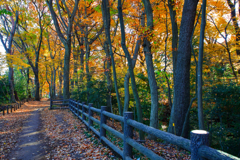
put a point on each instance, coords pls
(198, 145)
(10, 108)
(63, 103)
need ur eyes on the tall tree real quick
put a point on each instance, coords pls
(150, 68)
(130, 67)
(66, 24)
(182, 85)
(200, 62)
(7, 44)
(41, 12)
(233, 7)
(106, 22)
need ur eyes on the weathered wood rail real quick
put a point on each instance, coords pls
(198, 145)
(13, 107)
(59, 102)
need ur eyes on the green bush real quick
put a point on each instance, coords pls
(224, 113)
(4, 89)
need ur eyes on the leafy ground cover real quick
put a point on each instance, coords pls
(71, 140)
(167, 151)
(11, 126)
(68, 138)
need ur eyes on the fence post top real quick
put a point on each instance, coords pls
(199, 132)
(128, 115)
(90, 104)
(128, 112)
(103, 108)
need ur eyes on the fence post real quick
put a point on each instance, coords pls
(75, 105)
(128, 133)
(69, 104)
(7, 110)
(83, 111)
(90, 114)
(78, 108)
(11, 108)
(3, 108)
(103, 121)
(198, 138)
(50, 103)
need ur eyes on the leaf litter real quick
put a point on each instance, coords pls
(69, 138)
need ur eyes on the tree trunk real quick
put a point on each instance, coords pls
(106, 21)
(75, 70)
(60, 76)
(182, 85)
(28, 80)
(200, 62)
(174, 35)
(126, 92)
(8, 48)
(127, 76)
(108, 77)
(130, 68)
(236, 27)
(37, 85)
(11, 84)
(82, 68)
(150, 69)
(87, 70)
(66, 41)
(174, 40)
(66, 94)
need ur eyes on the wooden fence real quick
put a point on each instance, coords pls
(11, 108)
(59, 102)
(198, 145)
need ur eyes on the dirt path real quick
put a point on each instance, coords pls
(30, 144)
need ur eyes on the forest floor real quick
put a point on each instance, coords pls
(35, 132)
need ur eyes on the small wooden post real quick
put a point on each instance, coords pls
(7, 110)
(78, 108)
(11, 108)
(90, 114)
(103, 121)
(83, 111)
(3, 109)
(128, 133)
(75, 106)
(69, 104)
(198, 138)
(14, 108)
(50, 103)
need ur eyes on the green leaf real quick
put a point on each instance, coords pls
(98, 8)
(4, 11)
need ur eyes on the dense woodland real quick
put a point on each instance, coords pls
(173, 63)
